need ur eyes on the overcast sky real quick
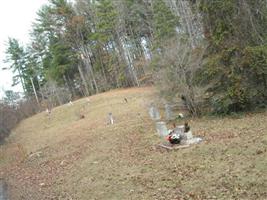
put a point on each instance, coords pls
(16, 18)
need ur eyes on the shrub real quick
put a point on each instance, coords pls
(11, 115)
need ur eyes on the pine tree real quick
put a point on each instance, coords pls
(15, 56)
(164, 22)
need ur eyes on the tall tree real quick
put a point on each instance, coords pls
(15, 55)
(164, 22)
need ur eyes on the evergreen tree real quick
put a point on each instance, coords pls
(237, 41)
(15, 55)
(164, 22)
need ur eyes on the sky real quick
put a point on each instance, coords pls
(16, 18)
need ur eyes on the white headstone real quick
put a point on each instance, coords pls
(162, 129)
(110, 117)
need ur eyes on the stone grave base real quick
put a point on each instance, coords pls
(182, 145)
(170, 146)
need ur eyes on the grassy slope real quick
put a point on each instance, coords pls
(88, 159)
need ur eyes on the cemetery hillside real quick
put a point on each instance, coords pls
(136, 99)
(66, 157)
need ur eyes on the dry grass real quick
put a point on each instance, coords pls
(74, 158)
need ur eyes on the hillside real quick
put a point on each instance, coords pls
(65, 157)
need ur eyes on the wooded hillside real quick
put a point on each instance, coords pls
(212, 54)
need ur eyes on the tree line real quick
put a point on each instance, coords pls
(210, 54)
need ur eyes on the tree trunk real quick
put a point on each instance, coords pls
(87, 61)
(125, 55)
(83, 80)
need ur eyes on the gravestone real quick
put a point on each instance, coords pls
(3, 190)
(154, 112)
(185, 136)
(162, 129)
(168, 112)
(110, 118)
(179, 130)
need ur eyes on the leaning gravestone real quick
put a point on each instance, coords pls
(162, 129)
(154, 112)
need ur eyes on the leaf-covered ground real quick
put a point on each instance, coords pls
(65, 157)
